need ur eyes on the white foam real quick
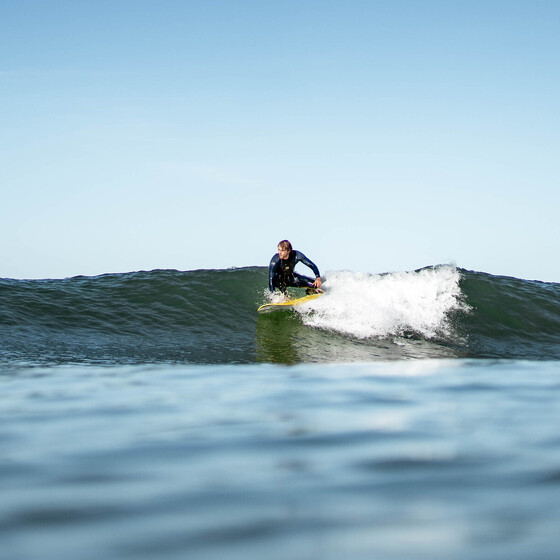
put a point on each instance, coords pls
(274, 297)
(379, 305)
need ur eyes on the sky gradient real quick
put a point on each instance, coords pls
(376, 135)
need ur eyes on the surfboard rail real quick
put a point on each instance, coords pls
(286, 305)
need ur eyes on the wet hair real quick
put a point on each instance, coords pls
(285, 244)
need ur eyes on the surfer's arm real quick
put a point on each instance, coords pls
(271, 271)
(303, 259)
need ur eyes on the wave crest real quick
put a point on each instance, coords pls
(380, 305)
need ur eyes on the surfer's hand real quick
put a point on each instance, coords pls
(317, 283)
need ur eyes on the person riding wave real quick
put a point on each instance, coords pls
(281, 274)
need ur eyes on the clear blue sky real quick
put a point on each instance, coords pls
(376, 135)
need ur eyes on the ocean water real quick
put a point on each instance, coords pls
(157, 415)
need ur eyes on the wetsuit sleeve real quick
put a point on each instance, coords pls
(271, 271)
(303, 259)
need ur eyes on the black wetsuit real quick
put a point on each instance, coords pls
(281, 272)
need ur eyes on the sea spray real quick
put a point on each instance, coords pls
(379, 305)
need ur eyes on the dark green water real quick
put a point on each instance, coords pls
(209, 316)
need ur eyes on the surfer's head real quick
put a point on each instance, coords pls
(284, 249)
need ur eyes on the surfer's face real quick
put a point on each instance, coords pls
(283, 253)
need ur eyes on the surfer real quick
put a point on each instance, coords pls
(281, 270)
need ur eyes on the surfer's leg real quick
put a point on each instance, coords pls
(279, 283)
(300, 281)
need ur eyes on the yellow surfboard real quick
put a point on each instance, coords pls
(286, 305)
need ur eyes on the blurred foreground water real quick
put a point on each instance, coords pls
(424, 459)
